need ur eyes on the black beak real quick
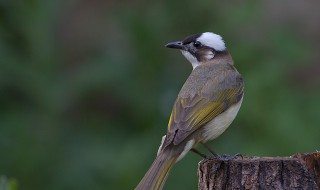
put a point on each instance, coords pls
(175, 45)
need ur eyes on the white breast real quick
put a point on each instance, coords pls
(219, 124)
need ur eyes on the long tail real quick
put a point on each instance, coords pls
(157, 174)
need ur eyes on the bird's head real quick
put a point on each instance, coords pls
(200, 48)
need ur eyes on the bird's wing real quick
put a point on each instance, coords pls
(192, 111)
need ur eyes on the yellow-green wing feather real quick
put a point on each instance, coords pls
(202, 98)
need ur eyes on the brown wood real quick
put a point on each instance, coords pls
(300, 171)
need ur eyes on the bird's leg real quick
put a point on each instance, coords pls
(199, 153)
(209, 149)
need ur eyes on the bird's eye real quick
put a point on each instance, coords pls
(196, 44)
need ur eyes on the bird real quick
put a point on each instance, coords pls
(206, 105)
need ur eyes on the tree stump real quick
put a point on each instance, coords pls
(300, 171)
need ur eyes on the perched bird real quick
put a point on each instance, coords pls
(205, 107)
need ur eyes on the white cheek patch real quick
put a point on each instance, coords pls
(193, 60)
(209, 55)
(212, 40)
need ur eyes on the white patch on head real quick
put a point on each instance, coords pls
(193, 60)
(212, 40)
(186, 149)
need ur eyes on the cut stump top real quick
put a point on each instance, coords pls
(300, 171)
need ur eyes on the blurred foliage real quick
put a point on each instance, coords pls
(8, 184)
(86, 87)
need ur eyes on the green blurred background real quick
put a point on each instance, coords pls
(87, 87)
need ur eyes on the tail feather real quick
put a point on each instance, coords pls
(157, 174)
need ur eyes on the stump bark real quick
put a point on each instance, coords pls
(300, 171)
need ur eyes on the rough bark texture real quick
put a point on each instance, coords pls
(300, 171)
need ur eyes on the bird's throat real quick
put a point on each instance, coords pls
(191, 58)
